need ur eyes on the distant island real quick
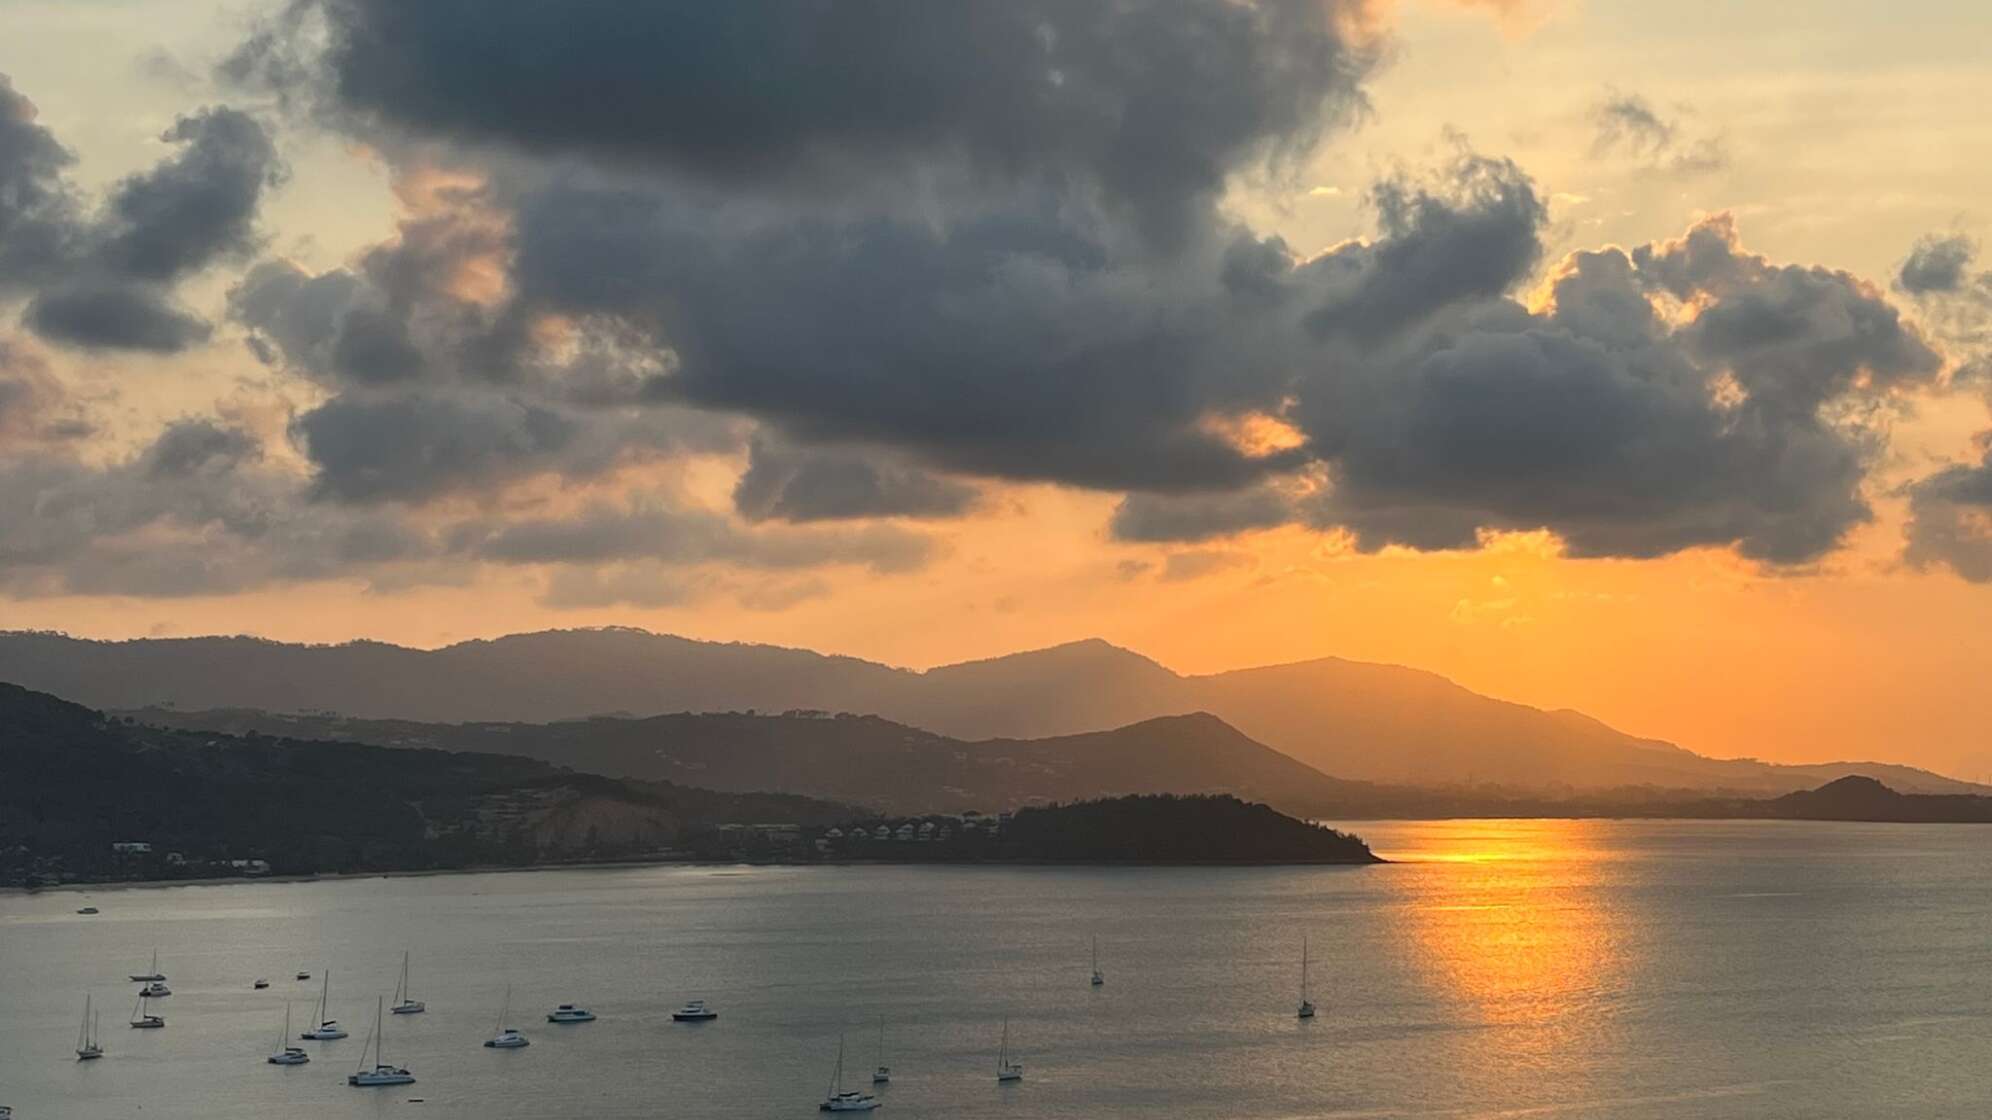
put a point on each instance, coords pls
(1137, 829)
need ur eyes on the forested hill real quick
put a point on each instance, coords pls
(73, 783)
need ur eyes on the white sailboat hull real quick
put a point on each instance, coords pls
(381, 1076)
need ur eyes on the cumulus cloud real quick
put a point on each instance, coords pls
(1149, 105)
(105, 280)
(1950, 520)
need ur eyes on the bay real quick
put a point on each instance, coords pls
(1494, 969)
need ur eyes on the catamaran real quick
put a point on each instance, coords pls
(1306, 1005)
(156, 990)
(151, 974)
(286, 1055)
(381, 1073)
(1098, 977)
(840, 1099)
(506, 1038)
(142, 1016)
(881, 1073)
(89, 1043)
(1007, 1070)
(404, 1002)
(328, 1028)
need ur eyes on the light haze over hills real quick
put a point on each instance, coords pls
(1347, 719)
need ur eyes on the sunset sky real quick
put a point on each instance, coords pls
(1602, 354)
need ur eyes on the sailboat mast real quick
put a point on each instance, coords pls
(83, 1031)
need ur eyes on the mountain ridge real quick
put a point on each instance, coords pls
(1351, 719)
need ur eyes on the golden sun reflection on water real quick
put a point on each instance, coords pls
(1508, 923)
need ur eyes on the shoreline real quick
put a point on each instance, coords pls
(612, 865)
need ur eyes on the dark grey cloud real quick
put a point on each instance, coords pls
(114, 315)
(105, 280)
(1200, 517)
(1939, 264)
(826, 484)
(38, 215)
(1950, 520)
(1472, 236)
(34, 406)
(1149, 104)
(196, 206)
(1628, 123)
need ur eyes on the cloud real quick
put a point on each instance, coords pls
(833, 483)
(1200, 517)
(1147, 105)
(105, 281)
(1939, 264)
(1950, 520)
(1628, 123)
(1182, 566)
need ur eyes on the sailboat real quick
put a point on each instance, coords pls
(1098, 978)
(506, 1038)
(840, 1099)
(404, 1003)
(152, 973)
(881, 1073)
(88, 1042)
(327, 1028)
(142, 1016)
(381, 1073)
(1007, 1070)
(1306, 1005)
(285, 1055)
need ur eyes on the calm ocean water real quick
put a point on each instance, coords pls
(1502, 969)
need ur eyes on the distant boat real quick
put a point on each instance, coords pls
(404, 1003)
(304, 974)
(569, 1013)
(1306, 1005)
(840, 1099)
(328, 1028)
(156, 990)
(284, 1054)
(881, 1073)
(1098, 978)
(382, 1073)
(1007, 1070)
(87, 910)
(143, 1018)
(506, 1038)
(694, 1012)
(260, 984)
(153, 973)
(89, 1044)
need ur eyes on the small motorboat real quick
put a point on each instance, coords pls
(569, 1013)
(694, 1012)
(155, 990)
(260, 984)
(87, 910)
(304, 975)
